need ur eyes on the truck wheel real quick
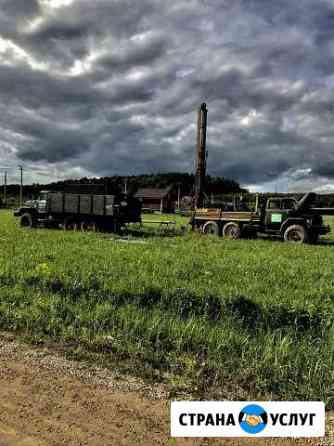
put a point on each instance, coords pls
(231, 230)
(27, 221)
(211, 227)
(88, 226)
(296, 234)
(70, 225)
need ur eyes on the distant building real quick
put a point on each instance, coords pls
(153, 199)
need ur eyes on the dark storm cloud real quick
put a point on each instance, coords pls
(326, 169)
(70, 32)
(59, 30)
(112, 86)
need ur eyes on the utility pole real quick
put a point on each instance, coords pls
(21, 185)
(125, 186)
(5, 188)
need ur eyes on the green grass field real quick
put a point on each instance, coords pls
(246, 319)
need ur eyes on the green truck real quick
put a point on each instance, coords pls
(290, 219)
(80, 211)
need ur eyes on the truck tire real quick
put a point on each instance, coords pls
(70, 224)
(88, 226)
(27, 221)
(211, 227)
(296, 234)
(231, 230)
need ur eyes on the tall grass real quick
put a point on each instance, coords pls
(250, 317)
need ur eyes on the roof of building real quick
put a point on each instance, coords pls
(153, 193)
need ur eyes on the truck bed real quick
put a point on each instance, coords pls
(85, 204)
(218, 214)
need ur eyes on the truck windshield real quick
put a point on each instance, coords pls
(288, 204)
(274, 204)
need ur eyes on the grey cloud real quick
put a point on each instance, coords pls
(59, 30)
(52, 142)
(134, 54)
(18, 9)
(72, 32)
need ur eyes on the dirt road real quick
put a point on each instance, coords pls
(48, 400)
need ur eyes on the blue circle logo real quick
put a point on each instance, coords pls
(253, 419)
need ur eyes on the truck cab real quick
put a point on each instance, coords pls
(293, 220)
(276, 211)
(33, 209)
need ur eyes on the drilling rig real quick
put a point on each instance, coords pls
(285, 217)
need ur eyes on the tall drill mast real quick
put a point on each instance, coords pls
(201, 156)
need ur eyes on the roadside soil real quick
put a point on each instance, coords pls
(47, 400)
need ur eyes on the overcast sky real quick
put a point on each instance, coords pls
(110, 87)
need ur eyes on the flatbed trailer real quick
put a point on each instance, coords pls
(220, 215)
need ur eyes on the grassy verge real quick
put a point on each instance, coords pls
(253, 316)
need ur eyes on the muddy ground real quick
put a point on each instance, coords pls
(46, 399)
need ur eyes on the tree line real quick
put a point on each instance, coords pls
(117, 184)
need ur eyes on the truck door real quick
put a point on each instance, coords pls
(287, 206)
(42, 203)
(273, 217)
(278, 211)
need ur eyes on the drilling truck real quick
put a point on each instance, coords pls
(290, 219)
